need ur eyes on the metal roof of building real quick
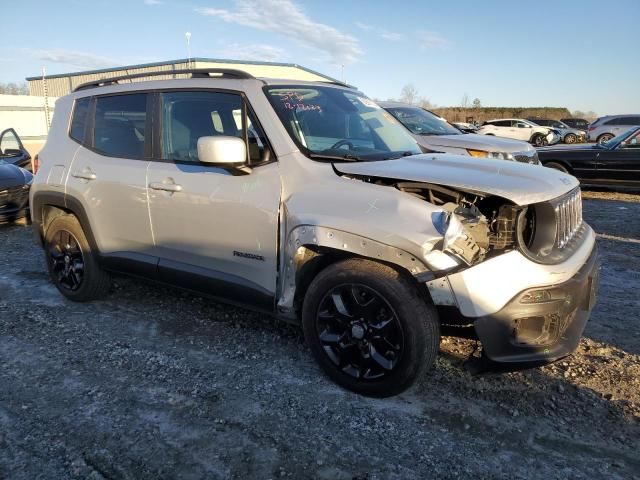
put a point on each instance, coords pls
(181, 60)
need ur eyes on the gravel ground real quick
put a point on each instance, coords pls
(156, 383)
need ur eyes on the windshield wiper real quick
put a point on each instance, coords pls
(345, 158)
(403, 154)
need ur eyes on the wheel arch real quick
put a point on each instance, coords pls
(46, 206)
(311, 249)
(562, 163)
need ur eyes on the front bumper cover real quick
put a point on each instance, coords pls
(545, 331)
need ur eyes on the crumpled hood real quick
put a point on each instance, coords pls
(520, 183)
(474, 141)
(12, 176)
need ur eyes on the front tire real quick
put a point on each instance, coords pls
(73, 267)
(570, 138)
(369, 327)
(539, 140)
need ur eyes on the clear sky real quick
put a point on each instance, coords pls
(582, 54)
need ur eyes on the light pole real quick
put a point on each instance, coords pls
(188, 37)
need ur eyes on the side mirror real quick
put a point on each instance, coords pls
(222, 150)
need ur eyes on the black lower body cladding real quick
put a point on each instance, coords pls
(541, 325)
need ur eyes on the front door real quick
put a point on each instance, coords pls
(621, 164)
(12, 150)
(215, 229)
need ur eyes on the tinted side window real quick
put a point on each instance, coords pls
(79, 120)
(633, 121)
(502, 123)
(187, 116)
(120, 125)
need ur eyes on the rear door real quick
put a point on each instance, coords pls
(12, 150)
(215, 229)
(109, 176)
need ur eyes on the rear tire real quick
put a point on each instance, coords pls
(369, 327)
(605, 137)
(556, 166)
(73, 266)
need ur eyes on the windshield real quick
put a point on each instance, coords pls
(421, 122)
(334, 123)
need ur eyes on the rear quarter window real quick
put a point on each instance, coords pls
(79, 119)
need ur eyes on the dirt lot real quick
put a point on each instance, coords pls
(156, 383)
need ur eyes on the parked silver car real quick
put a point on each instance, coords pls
(605, 128)
(567, 134)
(307, 201)
(435, 134)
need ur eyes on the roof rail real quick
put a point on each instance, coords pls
(195, 73)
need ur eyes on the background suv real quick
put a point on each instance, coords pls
(520, 129)
(435, 134)
(605, 128)
(577, 123)
(309, 202)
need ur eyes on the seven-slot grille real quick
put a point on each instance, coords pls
(568, 217)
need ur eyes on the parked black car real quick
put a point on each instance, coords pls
(578, 123)
(612, 163)
(12, 150)
(14, 192)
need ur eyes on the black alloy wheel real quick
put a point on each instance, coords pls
(67, 261)
(359, 331)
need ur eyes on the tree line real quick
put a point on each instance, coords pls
(472, 110)
(12, 88)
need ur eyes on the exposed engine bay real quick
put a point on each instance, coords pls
(473, 225)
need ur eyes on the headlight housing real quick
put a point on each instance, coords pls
(486, 154)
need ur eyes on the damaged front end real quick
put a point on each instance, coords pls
(520, 278)
(473, 226)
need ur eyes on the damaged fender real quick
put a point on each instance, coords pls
(304, 240)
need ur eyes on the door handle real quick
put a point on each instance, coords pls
(167, 187)
(85, 175)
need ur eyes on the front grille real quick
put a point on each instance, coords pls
(568, 210)
(527, 157)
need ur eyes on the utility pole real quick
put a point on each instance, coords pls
(188, 37)
(47, 116)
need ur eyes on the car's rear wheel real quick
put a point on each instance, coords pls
(556, 166)
(570, 138)
(605, 137)
(369, 327)
(73, 267)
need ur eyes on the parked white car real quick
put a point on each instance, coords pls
(520, 129)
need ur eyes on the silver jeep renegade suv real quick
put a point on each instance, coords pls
(310, 202)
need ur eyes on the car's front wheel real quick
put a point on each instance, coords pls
(73, 267)
(369, 327)
(539, 140)
(570, 138)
